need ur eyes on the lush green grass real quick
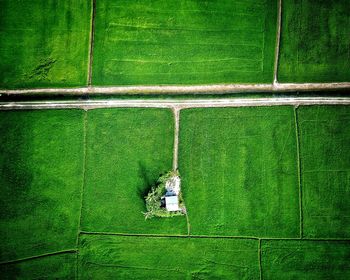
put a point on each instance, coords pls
(61, 266)
(239, 178)
(44, 43)
(305, 260)
(127, 149)
(184, 42)
(239, 171)
(315, 41)
(106, 257)
(41, 160)
(325, 162)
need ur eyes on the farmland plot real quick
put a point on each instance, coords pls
(61, 266)
(127, 149)
(239, 168)
(41, 172)
(325, 162)
(184, 42)
(315, 41)
(121, 257)
(44, 43)
(290, 259)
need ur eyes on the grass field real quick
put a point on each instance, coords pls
(315, 41)
(44, 43)
(41, 168)
(180, 42)
(240, 177)
(305, 260)
(127, 149)
(184, 42)
(61, 266)
(107, 257)
(239, 169)
(325, 162)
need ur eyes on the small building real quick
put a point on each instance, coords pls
(172, 203)
(173, 188)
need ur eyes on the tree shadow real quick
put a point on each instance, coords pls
(148, 181)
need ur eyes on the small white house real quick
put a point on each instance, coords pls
(173, 188)
(172, 203)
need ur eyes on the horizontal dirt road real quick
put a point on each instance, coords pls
(175, 103)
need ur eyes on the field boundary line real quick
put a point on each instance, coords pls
(259, 259)
(81, 191)
(176, 112)
(92, 40)
(305, 239)
(297, 135)
(212, 236)
(85, 120)
(168, 235)
(69, 251)
(278, 41)
(176, 104)
(182, 89)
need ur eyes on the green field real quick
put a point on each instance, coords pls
(106, 257)
(325, 162)
(41, 167)
(73, 181)
(288, 259)
(62, 266)
(239, 169)
(44, 43)
(179, 42)
(184, 42)
(315, 41)
(127, 149)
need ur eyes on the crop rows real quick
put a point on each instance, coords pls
(253, 207)
(101, 42)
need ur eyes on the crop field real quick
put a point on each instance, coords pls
(179, 42)
(127, 149)
(266, 191)
(124, 257)
(315, 41)
(41, 164)
(291, 259)
(184, 42)
(325, 163)
(239, 168)
(37, 50)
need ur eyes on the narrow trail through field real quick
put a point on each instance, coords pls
(176, 112)
(92, 39)
(278, 39)
(82, 191)
(297, 137)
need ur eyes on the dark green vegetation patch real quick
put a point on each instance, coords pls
(305, 260)
(62, 266)
(41, 168)
(106, 257)
(239, 170)
(44, 43)
(325, 162)
(127, 150)
(184, 42)
(315, 41)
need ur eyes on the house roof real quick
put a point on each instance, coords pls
(172, 203)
